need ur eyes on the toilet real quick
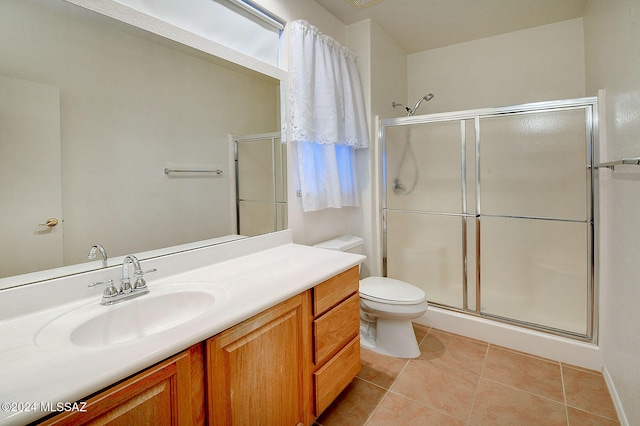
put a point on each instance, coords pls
(387, 307)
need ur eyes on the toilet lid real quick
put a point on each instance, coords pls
(391, 291)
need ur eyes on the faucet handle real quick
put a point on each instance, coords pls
(140, 283)
(110, 289)
(99, 283)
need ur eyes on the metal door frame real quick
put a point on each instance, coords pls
(589, 105)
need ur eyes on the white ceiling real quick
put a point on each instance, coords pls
(418, 25)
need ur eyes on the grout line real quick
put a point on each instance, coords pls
(595, 414)
(425, 334)
(422, 404)
(372, 383)
(526, 354)
(564, 392)
(524, 391)
(375, 410)
(475, 393)
(388, 390)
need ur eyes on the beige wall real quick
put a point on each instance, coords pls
(383, 72)
(130, 107)
(509, 69)
(612, 46)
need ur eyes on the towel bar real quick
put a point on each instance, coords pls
(168, 171)
(612, 164)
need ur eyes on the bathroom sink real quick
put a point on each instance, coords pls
(163, 309)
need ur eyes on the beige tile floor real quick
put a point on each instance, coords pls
(461, 381)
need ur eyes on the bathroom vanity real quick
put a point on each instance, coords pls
(277, 346)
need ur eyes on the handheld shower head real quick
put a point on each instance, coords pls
(411, 111)
(426, 97)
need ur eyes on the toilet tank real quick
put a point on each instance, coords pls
(346, 243)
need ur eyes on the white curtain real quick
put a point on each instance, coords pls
(327, 118)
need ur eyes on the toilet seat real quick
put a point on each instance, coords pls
(390, 291)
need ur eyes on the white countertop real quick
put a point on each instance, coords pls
(35, 373)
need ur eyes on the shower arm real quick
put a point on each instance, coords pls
(396, 104)
(411, 111)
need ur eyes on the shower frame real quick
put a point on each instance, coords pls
(278, 178)
(589, 105)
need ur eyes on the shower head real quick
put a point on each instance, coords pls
(411, 111)
(426, 97)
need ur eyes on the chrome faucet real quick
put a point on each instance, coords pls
(113, 294)
(139, 283)
(103, 253)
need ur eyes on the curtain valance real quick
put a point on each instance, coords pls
(326, 103)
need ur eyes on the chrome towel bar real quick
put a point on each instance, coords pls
(635, 161)
(168, 171)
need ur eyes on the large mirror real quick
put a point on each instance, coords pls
(91, 115)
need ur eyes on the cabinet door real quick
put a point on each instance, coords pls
(170, 393)
(258, 371)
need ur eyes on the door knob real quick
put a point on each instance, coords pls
(51, 222)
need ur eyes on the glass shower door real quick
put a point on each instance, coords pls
(535, 218)
(425, 215)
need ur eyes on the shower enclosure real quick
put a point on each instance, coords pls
(261, 190)
(490, 212)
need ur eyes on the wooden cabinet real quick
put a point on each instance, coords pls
(286, 365)
(336, 340)
(281, 367)
(169, 393)
(258, 371)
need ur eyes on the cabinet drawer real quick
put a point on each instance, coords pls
(331, 379)
(335, 328)
(331, 292)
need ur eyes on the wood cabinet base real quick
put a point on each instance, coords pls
(169, 393)
(258, 371)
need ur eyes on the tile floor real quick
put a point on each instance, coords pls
(461, 381)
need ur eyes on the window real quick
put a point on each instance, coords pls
(236, 24)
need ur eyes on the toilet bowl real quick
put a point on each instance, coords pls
(387, 307)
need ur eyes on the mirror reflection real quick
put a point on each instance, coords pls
(261, 183)
(91, 113)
